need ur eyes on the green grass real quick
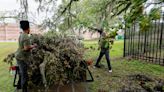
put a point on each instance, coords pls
(102, 79)
(121, 68)
(115, 52)
(6, 80)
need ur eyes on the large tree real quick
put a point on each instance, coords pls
(95, 14)
(91, 14)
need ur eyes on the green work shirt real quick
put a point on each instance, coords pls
(103, 42)
(21, 54)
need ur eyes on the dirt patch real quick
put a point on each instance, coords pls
(140, 77)
(142, 83)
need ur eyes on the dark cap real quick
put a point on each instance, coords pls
(24, 24)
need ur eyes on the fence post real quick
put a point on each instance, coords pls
(124, 42)
(125, 48)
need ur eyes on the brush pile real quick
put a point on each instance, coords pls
(58, 59)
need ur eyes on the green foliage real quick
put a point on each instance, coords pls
(143, 19)
(94, 13)
(56, 60)
(123, 6)
(89, 13)
(133, 12)
(145, 23)
(155, 13)
(9, 58)
(113, 33)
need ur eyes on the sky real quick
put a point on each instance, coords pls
(10, 5)
(6, 5)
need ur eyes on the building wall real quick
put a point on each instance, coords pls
(89, 35)
(10, 32)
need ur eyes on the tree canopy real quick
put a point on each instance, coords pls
(96, 14)
(93, 14)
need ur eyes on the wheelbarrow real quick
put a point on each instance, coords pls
(80, 86)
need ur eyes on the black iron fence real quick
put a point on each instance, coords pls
(147, 45)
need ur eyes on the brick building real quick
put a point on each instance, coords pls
(89, 35)
(10, 31)
(86, 34)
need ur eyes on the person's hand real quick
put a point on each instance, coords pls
(110, 47)
(98, 48)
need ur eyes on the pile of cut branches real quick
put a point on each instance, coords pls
(58, 59)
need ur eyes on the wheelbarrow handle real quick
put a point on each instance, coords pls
(15, 77)
(86, 66)
(91, 80)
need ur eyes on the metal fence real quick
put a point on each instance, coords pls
(147, 45)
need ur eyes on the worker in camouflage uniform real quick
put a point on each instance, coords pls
(23, 54)
(104, 45)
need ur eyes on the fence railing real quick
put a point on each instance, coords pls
(146, 45)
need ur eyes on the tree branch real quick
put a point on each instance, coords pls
(4, 17)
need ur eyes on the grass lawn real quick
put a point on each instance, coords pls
(122, 68)
(115, 52)
(6, 80)
(112, 82)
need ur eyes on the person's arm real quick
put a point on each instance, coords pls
(29, 47)
(99, 44)
(26, 45)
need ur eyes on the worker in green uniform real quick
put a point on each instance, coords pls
(23, 53)
(104, 45)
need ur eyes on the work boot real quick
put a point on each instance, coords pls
(97, 66)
